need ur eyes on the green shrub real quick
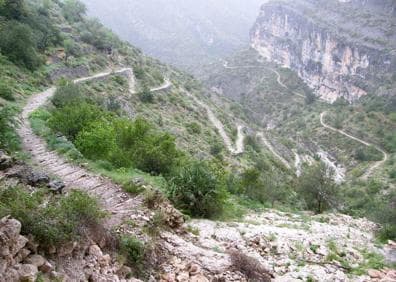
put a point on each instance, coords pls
(13, 9)
(6, 91)
(73, 10)
(146, 96)
(198, 189)
(193, 128)
(96, 141)
(72, 118)
(55, 222)
(67, 93)
(133, 249)
(368, 154)
(17, 43)
(9, 139)
(156, 154)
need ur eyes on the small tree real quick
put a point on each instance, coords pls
(317, 187)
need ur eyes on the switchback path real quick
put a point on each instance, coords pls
(371, 169)
(118, 203)
(239, 146)
(272, 150)
(278, 76)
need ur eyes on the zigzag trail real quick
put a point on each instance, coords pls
(239, 146)
(369, 171)
(261, 134)
(272, 150)
(366, 175)
(110, 195)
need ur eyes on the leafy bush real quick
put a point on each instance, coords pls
(66, 93)
(133, 249)
(74, 10)
(96, 141)
(156, 154)
(146, 96)
(6, 91)
(198, 189)
(13, 9)
(18, 44)
(193, 128)
(54, 223)
(8, 137)
(94, 33)
(72, 118)
(368, 154)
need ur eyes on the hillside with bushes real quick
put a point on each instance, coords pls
(114, 165)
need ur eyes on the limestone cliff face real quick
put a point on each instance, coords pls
(328, 61)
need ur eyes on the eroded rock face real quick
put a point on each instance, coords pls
(327, 57)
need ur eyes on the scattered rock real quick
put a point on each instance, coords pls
(104, 260)
(27, 272)
(182, 277)
(373, 273)
(67, 249)
(46, 267)
(5, 160)
(36, 260)
(38, 179)
(199, 278)
(56, 186)
(95, 251)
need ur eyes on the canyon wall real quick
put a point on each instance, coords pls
(329, 45)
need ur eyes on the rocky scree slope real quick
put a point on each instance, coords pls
(340, 48)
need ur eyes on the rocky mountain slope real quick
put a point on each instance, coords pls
(182, 33)
(106, 154)
(339, 48)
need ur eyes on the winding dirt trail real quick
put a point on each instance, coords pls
(271, 148)
(239, 146)
(369, 172)
(278, 79)
(167, 84)
(118, 203)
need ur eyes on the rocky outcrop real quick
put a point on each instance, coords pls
(20, 260)
(334, 57)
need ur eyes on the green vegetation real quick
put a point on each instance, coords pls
(122, 142)
(317, 187)
(6, 92)
(8, 137)
(198, 189)
(26, 33)
(58, 221)
(146, 96)
(133, 249)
